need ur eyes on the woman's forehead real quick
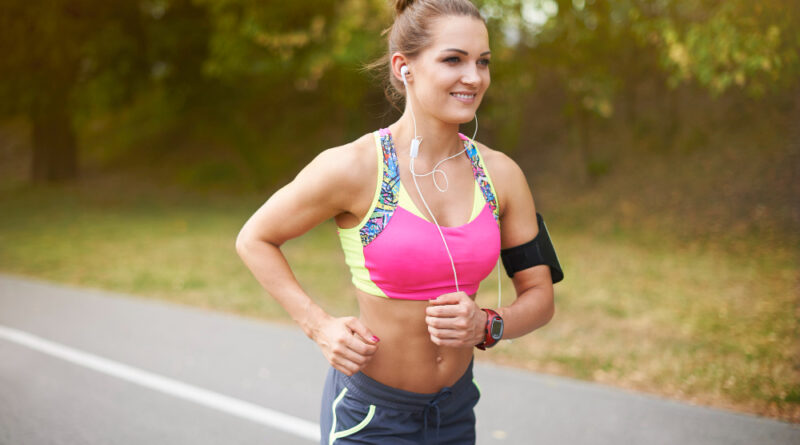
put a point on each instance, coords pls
(459, 32)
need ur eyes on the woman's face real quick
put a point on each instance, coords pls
(451, 75)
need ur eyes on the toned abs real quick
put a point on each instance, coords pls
(407, 358)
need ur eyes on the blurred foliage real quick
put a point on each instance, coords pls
(288, 41)
(598, 44)
(255, 75)
(602, 51)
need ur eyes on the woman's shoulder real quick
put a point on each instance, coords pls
(501, 166)
(345, 170)
(506, 175)
(354, 160)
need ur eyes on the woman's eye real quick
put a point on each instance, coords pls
(456, 59)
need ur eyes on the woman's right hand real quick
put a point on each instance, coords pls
(346, 343)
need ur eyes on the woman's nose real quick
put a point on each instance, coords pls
(470, 76)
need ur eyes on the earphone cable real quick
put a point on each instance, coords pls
(436, 168)
(446, 247)
(413, 154)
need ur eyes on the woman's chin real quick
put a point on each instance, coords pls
(465, 119)
(462, 115)
(459, 117)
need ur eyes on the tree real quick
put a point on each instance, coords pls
(601, 49)
(62, 57)
(734, 43)
(299, 61)
(50, 51)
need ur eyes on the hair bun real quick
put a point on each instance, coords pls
(401, 5)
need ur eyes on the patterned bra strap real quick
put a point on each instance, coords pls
(483, 180)
(389, 188)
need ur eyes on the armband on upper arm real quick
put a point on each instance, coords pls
(537, 251)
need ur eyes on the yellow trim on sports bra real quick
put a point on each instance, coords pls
(488, 179)
(404, 201)
(379, 180)
(351, 238)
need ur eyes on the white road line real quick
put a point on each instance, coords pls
(230, 405)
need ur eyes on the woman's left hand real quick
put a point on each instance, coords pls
(455, 320)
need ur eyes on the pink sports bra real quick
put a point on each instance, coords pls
(396, 252)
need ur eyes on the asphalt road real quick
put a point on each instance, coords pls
(80, 366)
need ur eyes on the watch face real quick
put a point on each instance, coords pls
(497, 329)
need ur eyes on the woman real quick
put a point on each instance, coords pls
(402, 371)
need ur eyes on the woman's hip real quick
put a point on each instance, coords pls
(359, 409)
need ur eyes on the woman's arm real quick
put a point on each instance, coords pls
(534, 306)
(456, 320)
(326, 187)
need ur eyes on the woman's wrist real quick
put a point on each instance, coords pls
(312, 320)
(480, 326)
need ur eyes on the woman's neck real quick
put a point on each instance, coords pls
(439, 140)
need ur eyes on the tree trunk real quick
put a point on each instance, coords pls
(55, 153)
(584, 144)
(672, 117)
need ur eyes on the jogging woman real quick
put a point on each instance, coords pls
(423, 212)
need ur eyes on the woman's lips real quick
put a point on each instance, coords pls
(464, 97)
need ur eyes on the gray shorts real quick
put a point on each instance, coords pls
(360, 410)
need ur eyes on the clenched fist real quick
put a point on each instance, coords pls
(455, 320)
(346, 343)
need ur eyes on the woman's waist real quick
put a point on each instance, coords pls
(406, 357)
(379, 393)
(417, 370)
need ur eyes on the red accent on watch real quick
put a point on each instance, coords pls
(488, 340)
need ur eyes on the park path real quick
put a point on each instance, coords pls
(81, 366)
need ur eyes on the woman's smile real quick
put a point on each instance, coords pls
(467, 98)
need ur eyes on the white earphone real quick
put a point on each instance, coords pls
(417, 139)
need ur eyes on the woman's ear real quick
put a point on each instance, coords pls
(398, 62)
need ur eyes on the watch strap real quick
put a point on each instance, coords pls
(488, 340)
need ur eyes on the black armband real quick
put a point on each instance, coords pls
(533, 253)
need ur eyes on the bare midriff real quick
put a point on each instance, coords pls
(406, 358)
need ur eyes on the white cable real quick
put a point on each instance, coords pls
(436, 168)
(498, 283)
(414, 175)
(446, 247)
(413, 154)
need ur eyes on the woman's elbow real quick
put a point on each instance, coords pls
(551, 311)
(244, 242)
(249, 240)
(548, 306)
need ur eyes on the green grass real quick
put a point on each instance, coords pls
(692, 321)
(692, 325)
(154, 244)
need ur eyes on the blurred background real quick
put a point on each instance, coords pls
(661, 140)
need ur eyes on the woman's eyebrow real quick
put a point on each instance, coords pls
(464, 52)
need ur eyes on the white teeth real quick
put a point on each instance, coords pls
(463, 96)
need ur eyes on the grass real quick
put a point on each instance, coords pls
(690, 325)
(688, 322)
(682, 268)
(150, 243)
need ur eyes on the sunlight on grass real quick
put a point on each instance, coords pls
(691, 321)
(690, 325)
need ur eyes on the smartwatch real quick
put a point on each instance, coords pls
(494, 330)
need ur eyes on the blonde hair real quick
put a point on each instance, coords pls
(410, 34)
